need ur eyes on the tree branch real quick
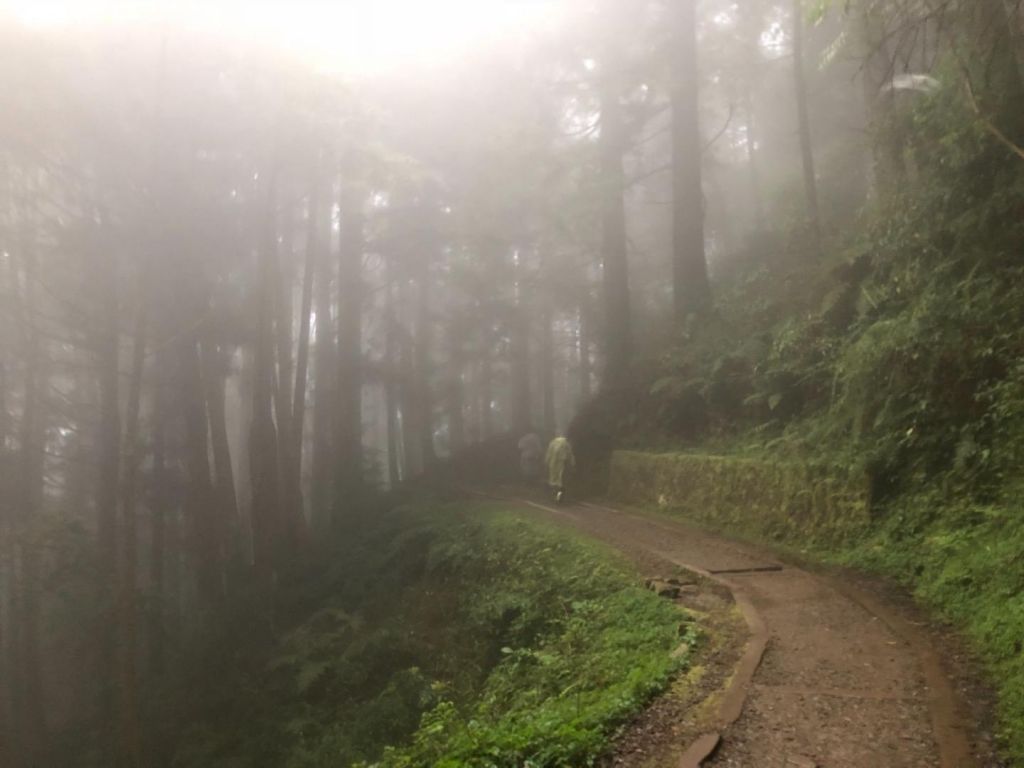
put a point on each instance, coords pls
(989, 126)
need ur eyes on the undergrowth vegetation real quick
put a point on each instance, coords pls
(901, 356)
(452, 636)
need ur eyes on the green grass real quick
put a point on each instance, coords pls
(966, 562)
(453, 636)
(963, 560)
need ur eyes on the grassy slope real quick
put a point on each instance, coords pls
(463, 635)
(964, 561)
(901, 357)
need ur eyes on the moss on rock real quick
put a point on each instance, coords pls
(777, 500)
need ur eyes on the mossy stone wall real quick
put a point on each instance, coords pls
(779, 500)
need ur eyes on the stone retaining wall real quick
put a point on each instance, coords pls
(778, 500)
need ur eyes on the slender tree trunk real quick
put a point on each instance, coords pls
(997, 81)
(412, 447)
(108, 442)
(281, 291)
(305, 321)
(753, 164)
(158, 503)
(751, 27)
(349, 430)
(204, 514)
(324, 373)
(690, 289)
(585, 367)
(391, 378)
(804, 126)
(394, 435)
(283, 318)
(886, 167)
(520, 351)
(547, 368)
(129, 747)
(422, 345)
(615, 273)
(456, 394)
(263, 460)
(8, 550)
(486, 394)
(215, 371)
(29, 711)
(7, 668)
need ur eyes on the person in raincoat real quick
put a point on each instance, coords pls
(559, 461)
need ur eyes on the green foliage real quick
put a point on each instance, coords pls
(454, 636)
(899, 357)
(555, 704)
(964, 560)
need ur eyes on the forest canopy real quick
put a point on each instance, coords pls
(263, 263)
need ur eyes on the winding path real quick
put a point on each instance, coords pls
(846, 679)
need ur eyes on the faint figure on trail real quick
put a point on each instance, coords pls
(530, 457)
(560, 461)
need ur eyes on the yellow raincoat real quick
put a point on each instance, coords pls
(559, 458)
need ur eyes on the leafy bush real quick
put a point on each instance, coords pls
(454, 636)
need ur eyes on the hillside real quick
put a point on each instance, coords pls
(896, 359)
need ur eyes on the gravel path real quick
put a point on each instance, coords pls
(849, 678)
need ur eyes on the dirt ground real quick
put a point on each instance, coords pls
(853, 676)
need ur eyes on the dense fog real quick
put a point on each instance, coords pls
(263, 264)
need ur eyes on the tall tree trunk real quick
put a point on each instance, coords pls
(520, 350)
(585, 367)
(160, 493)
(28, 711)
(215, 364)
(305, 321)
(108, 442)
(203, 511)
(129, 752)
(281, 292)
(995, 66)
(804, 127)
(690, 289)
(263, 458)
(472, 394)
(394, 434)
(7, 667)
(391, 378)
(485, 388)
(283, 316)
(751, 27)
(456, 392)
(753, 165)
(412, 447)
(324, 373)
(887, 167)
(615, 274)
(422, 373)
(547, 367)
(349, 431)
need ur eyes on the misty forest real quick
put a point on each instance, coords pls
(502, 384)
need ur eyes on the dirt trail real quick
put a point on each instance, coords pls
(847, 680)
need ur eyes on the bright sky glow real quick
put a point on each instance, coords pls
(355, 37)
